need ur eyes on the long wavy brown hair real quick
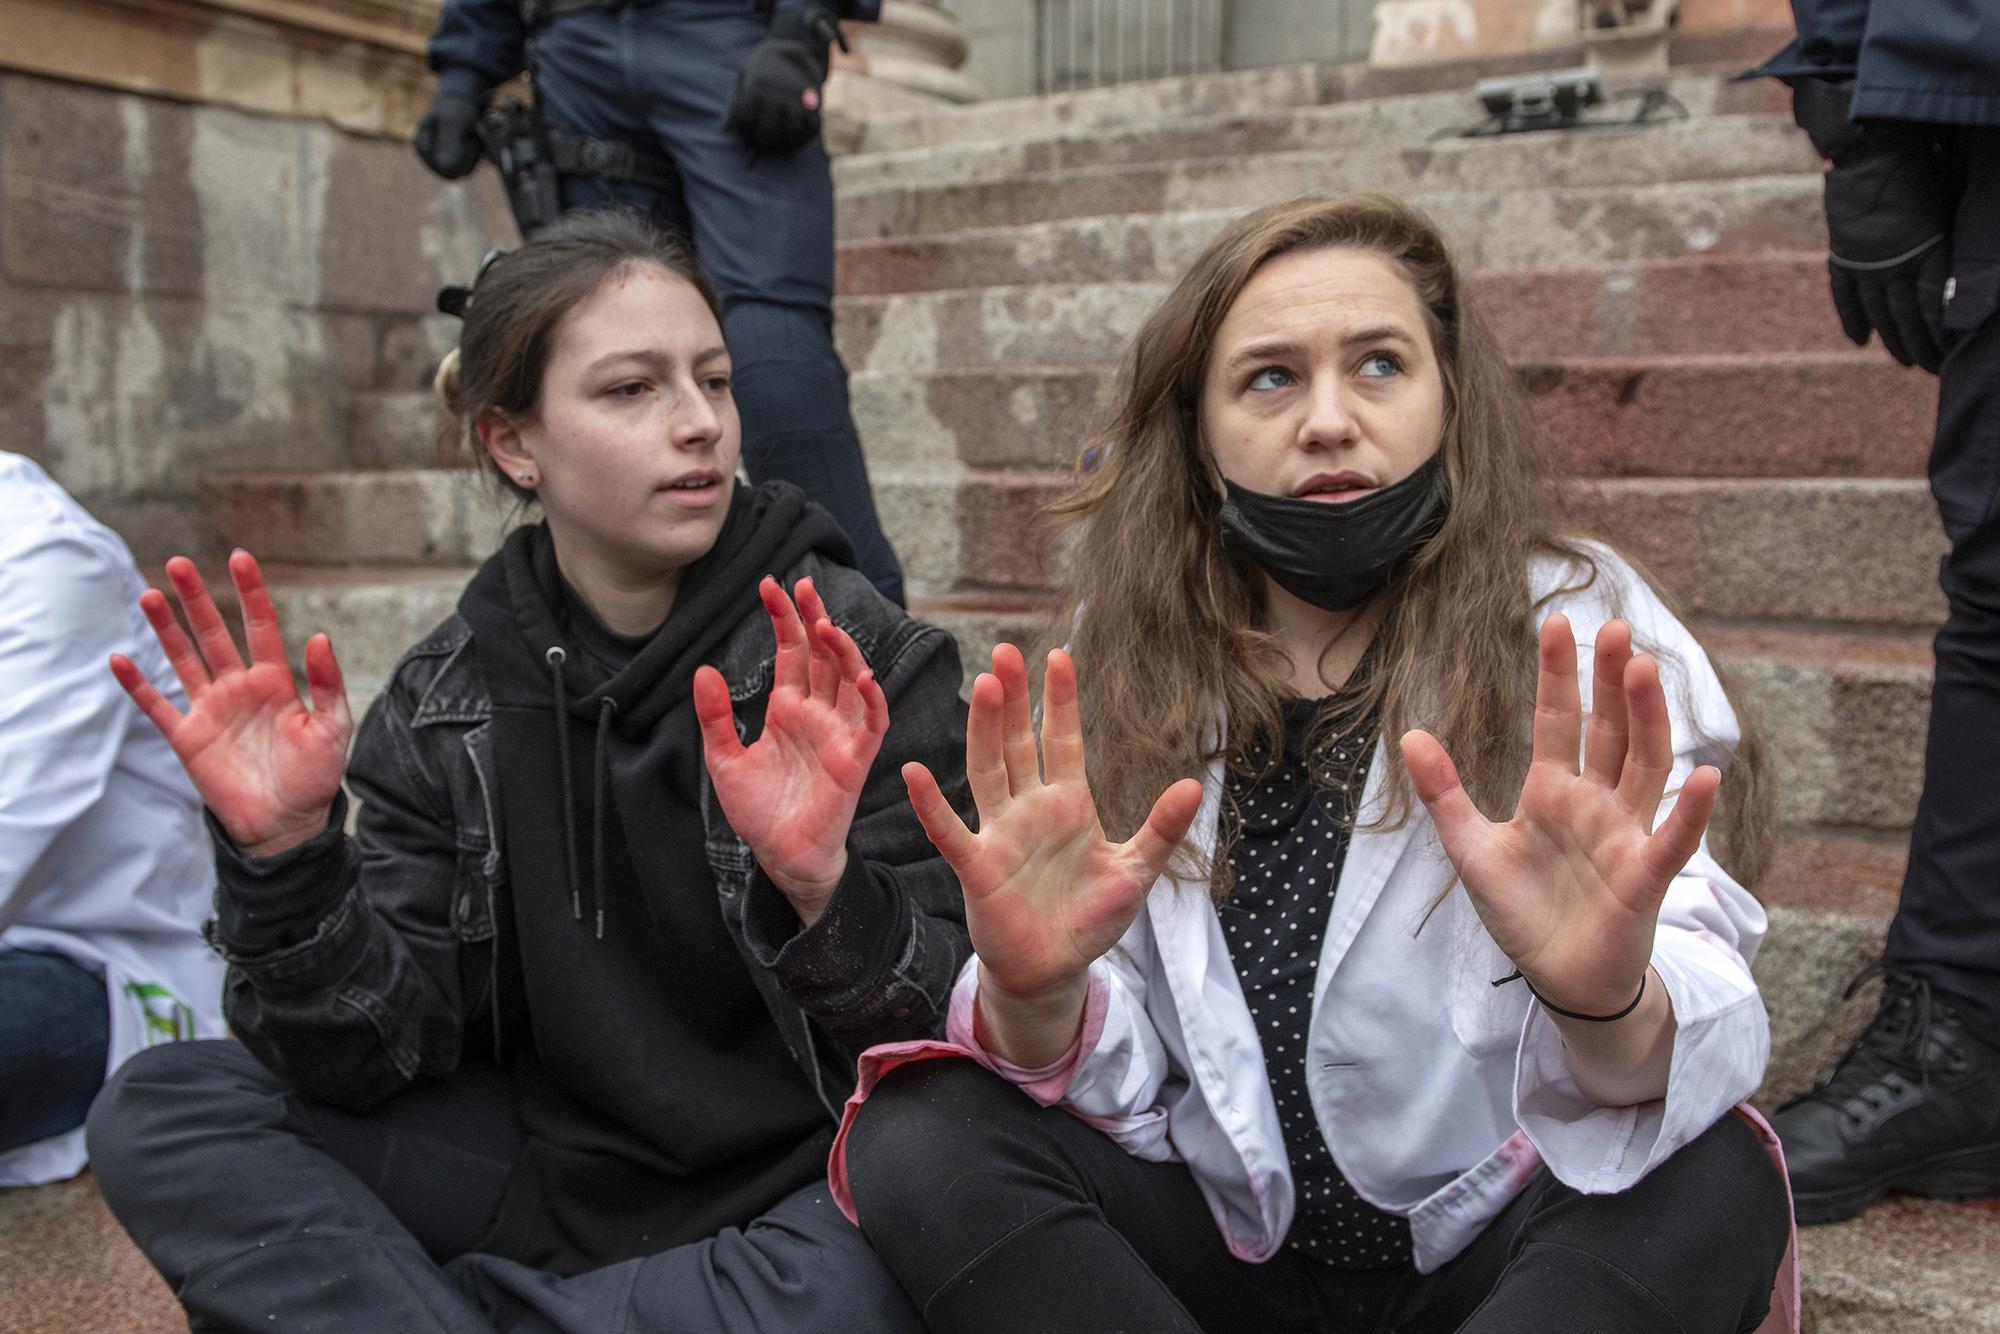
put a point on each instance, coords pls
(1165, 623)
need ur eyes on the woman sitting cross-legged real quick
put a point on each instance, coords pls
(555, 1040)
(1426, 1006)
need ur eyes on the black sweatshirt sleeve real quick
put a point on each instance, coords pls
(343, 963)
(879, 964)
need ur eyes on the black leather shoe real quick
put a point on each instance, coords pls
(1914, 1106)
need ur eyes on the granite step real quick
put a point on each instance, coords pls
(1520, 229)
(1277, 88)
(398, 428)
(1412, 119)
(1859, 553)
(1834, 702)
(1708, 151)
(1820, 414)
(1745, 540)
(1235, 92)
(1685, 307)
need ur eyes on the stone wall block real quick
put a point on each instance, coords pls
(69, 207)
(412, 348)
(143, 397)
(388, 233)
(253, 176)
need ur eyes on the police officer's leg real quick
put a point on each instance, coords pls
(1915, 1103)
(763, 233)
(587, 84)
(263, 1210)
(1947, 925)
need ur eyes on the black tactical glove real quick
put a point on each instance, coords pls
(775, 107)
(1889, 204)
(448, 136)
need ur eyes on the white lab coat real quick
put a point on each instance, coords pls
(103, 857)
(1438, 1093)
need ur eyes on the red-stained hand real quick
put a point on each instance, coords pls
(268, 766)
(1046, 893)
(1570, 888)
(790, 795)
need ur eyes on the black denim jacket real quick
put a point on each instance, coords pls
(358, 964)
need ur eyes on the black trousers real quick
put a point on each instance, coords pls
(266, 1211)
(1947, 924)
(999, 1215)
(659, 77)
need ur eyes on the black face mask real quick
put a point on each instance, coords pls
(1335, 555)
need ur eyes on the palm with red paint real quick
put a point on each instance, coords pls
(791, 794)
(265, 764)
(1046, 893)
(1570, 888)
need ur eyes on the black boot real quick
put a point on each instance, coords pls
(1914, 1106)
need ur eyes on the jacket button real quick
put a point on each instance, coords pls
(902, 1012)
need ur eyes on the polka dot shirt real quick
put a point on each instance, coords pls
(1291, 831)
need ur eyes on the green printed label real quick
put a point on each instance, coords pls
(163, 1017)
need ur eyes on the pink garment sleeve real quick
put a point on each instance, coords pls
(1047, 1086)
(1784, 1316)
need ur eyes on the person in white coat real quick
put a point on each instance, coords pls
(105, 875)
(1349, 1033)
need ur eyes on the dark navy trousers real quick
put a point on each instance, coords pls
(659, 76)
(1947, 925)
(55, 1033)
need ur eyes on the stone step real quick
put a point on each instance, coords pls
(407, 516)
(1907, 1266)
(1520, 229)
(1247, 92)
(397, 428)
(373, 615)
(1834, 703)
(1413, 119)
(1762, 305)
(1235, 92)
(1825, 552)
(1706, 151)
(1819, 414)
(1776, 525)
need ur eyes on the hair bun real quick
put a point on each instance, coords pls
(445, 383)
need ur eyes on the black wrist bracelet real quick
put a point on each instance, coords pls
(1515, 976)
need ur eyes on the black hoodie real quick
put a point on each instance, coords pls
(657, 1097)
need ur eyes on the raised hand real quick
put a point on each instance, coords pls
(1570, 888)
(1046, 893)
(790, 795)
(265, 764)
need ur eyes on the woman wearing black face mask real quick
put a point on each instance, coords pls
(1347, 1034)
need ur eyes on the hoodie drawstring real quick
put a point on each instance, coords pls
(608, 707)
(556, 657)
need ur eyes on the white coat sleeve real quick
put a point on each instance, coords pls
(63, 718)
(1709, 930)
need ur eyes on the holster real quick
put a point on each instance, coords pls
(533, 158)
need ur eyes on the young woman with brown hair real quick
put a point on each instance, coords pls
(555, 1039)
(1347, 1034)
